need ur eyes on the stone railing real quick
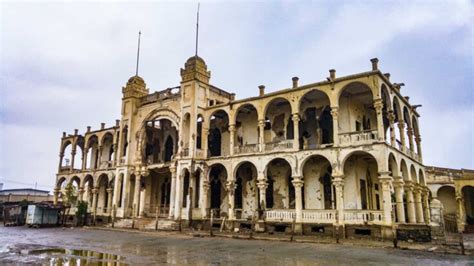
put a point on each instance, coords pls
(285, 216)
(319, 216)
(362, 216)
(358, 137)
(248, 148)
(279, 145)
(407, 151)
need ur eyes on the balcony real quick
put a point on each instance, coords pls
(248, 148)
(279, 145)
(358, 137)
(319, 216)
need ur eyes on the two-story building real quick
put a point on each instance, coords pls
(345, 151)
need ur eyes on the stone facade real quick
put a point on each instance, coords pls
(342, 152)
(454, 189)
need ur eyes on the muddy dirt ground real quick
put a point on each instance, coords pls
(55, 246)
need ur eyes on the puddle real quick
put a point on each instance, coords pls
(62, 256)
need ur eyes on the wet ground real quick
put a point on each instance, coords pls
(58, 246)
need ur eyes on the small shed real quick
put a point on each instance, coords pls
(43, 215)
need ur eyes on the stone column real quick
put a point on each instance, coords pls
(378, 105)
(172, 191)
(136, 194)
(410, 202)
(95, 192)
(109, 201)
(230, 186)
(335, 124)
(296, 131)
(115, 163)
(73, 157)
(61, 157)
(141, 209)
(391, 119)
(204, 140)
(262, 189)
(261, 134)
(418, 147)
(398, 186)
(426, 205)
(401, 127)
(338, 182)
(178, 202)
(418, 206)
(461, 212)
(99, 155)
(232, 138)
(385, 181)
(56, 196)
(298, 184)
(410, 139)
(84, 159)
(205, 197)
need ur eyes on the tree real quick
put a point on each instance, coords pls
(70, 197)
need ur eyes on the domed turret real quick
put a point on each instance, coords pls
(136, 87)
(195, 68)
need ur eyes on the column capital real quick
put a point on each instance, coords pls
(262, 184)
(231, 185)
(385, 174)
(338, 180)
(295, 117)
(109, 190)
(297, 182)
(378, 105)
(232, 128)
(261, 122)
(408, 185)
(334, 112)
(398, 182)
(95, 190)
(205, 185)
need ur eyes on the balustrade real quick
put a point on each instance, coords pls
(279, 145)
(319, 216)
(358, 137)
(248, 148)
(362, 216)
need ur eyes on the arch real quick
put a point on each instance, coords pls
(218, 133)
(316, 122)
(386, 108)
(404, 170)
(317, 175)
(124, 140)
(88, 185)
(356, 113)
(406, 116)
(217, 179)
(447, 196)
(92, 151)
(67, 154)
(278, 120)
(246, 125)
(158, 114)
(392, 165)
(106, 155)
(468, 196)
(246, 191)
(361, 171)
(159, 141)
(60, 182)
(280, 193)
(199, 124)
(413, 174)
(421, 178)
(75, 181)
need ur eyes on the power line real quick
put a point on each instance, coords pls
(26, 184)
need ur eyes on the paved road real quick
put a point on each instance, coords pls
(20, 244)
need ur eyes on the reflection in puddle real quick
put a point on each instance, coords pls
(60, 256)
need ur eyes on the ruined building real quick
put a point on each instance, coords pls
(340, 152)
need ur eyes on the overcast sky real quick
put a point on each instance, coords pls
(62, 65)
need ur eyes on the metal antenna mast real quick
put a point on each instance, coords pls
(197, 29)
(138, 52)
